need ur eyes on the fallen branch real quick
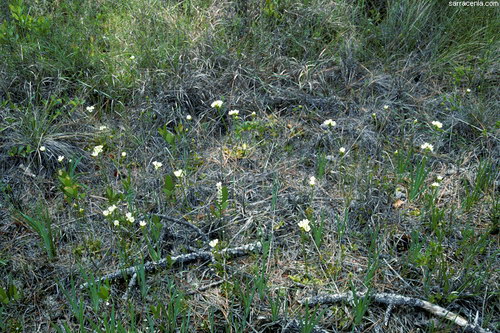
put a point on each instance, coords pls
(186, 224)
(177, 260)
(394, 299)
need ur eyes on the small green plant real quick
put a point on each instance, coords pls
(483, 180)
(23, 24)
(41, 223)
(417, 179)
(221, 203)
(311, 318)
(169, 188)
(433, 214)
(176, 308)
(321, 162)
(9, 294)
(98, 291)
(173, 139)
(70, 187)
(361, 304)
(76, 305)
(318, 230)
(141, 278)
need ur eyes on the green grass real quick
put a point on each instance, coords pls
(96, 146)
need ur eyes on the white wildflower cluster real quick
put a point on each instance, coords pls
(342, 150)
(234, 113)
(109, 210)
(219, 192)
(179, 173)
(330, 123)
(437, 124)
(213, 243)
(97, 150)
(157, 165)
(60, 158)
(304, 225)
(312, 181)
(217, 104)
(142, 224)
(427, 147)
(90, 109)
(129, 217)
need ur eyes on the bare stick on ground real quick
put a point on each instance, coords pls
(186, 224)
(179, 260)
(394, 299)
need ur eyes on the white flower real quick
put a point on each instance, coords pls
(157, 165)
(435, 185)
(386, 107)
(374, 115)
(112, 208)
(233, 112)
(437, 124)
(312, 180)
(188, 117)
(132, 57)
(468, 90)
(102, 128)
(219, 191)
(329, 123)
(142, 224)
(342, 150)
(439, 178)
(415, 120)
(60, 158)
(124, 153)
(427, 146)
(90, 108)
(253, 114)
(105, 212)
(304, 225)
(116, 223)
(42, 148)
(179, 173)
(130, 218)
(217, 104)
(97, 150)
(213, 243)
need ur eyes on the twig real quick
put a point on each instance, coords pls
(152, 266)
(205, 287)
(394, 299)
(186, 224)
(387, 315)
(131, 285)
